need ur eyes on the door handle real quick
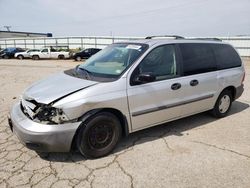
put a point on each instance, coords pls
(175, 86)
(194, 82)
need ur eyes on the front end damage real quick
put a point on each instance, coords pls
(43, 113)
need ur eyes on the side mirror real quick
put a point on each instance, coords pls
(144, 78)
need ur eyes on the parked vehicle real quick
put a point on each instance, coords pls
(85, 54)
(49, 53)
(8, 53)
(126, 87)
(26, 54)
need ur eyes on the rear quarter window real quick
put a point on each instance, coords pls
(197, 58)
(226, 56)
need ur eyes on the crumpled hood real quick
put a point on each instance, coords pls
(54, 87)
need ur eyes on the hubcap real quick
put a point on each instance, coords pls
(224, 104)
(78, 58)
(100, 136)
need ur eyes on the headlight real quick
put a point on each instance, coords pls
(50, 114)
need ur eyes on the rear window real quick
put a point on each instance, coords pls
(226, 56)
(197, 58)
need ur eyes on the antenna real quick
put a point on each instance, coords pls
(7, 27)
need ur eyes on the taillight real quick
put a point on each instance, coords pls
(243, 79)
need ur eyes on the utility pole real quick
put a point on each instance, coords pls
(7, 27)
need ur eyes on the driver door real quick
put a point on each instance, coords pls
(45, 53)
(153, 102)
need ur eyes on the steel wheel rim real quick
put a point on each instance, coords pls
(224, 104)
(78, 58)
(100, 136)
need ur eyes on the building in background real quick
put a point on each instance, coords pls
(17, 34)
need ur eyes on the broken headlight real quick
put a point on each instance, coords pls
(50, 114)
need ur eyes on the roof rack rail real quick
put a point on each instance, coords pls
(217, 39)
(173, 36)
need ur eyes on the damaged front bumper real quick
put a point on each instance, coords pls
(41, 137)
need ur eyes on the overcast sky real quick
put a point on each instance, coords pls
(127, 17)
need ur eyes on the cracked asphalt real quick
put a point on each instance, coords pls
(198, 151)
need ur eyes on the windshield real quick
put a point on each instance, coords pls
(114, 59)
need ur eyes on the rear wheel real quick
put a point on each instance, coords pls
(20, 57)
(35, 57)
(99, 135)
(223, 104)
(61, 57)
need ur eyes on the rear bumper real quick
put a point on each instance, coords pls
(41, 137)
(239, 91)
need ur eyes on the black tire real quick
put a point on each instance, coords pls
(6, 57)
(78, 58)
(61, 57)
(99, 135)
(20, 57)
(35, 57)
(218, 110)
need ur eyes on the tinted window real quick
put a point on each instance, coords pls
(161, 62)
(226, 56)
(197, 58)
(45, 50)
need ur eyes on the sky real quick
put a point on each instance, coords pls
(197, 18)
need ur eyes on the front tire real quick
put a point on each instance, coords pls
(223, 104)
(99, 135)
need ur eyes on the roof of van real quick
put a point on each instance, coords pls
(152, 42)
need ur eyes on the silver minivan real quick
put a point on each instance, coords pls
(126, 87)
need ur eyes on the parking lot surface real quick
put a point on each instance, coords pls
(198, 151)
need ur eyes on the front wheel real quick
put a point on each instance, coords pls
(99, 135)
(223, 104)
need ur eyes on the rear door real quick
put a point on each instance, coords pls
(199, 84)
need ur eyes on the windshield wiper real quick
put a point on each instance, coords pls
(87, 73)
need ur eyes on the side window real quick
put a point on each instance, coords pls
(197, 58)
(226, 56)
(160, 62)
(45, 50)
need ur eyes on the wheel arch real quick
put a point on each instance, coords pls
(36, 55)
(122, 118)
(20, 55)
(232, 89)
(61, 56)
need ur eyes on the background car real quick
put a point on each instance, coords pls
(10, 52)
(26, 54)
(50, 53)
(85, 54)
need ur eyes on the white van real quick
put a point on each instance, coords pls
(126, 87)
